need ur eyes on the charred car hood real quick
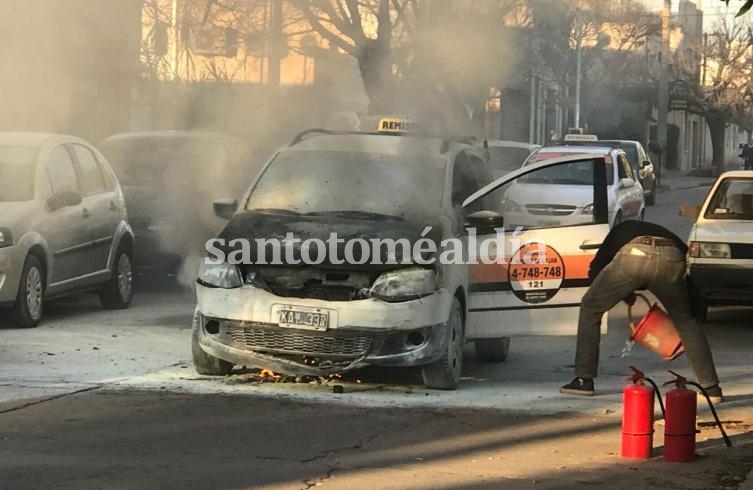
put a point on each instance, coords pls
(263, 226)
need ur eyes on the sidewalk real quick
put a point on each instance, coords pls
(672, 180)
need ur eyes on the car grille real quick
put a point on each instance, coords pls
(550, 209)
(269, 338)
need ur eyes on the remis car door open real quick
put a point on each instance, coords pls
(530, 274)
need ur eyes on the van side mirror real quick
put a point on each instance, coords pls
(627, 182)
(645, 163)
(689, 211)
(225, 208)
(484, 221)
(64, 198)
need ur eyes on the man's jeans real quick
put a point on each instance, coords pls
(661, 270)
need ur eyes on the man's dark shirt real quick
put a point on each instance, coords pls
(624, 233)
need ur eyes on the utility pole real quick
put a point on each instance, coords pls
(663, 102)
(578, 62)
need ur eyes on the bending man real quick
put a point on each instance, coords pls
(639, 255)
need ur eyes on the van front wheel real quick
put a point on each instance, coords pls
(444, 373)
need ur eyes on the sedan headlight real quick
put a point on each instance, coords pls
(222, 275)
(588, 209)
(709, 250)
(405, 284)
(6, 239)
(510, 206)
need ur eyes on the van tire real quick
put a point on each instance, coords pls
(205, 363)
(444, 373)
(651, 198)
(492, 350)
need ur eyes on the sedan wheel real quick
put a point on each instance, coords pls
(29, 306)
(125, 276)
(117, 293)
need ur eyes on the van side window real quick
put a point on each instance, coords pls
(463, 181)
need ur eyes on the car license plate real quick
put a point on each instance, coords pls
(301, 317)
(549, 222)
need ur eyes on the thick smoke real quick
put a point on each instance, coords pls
(93, 69)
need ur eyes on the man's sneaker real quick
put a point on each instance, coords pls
(579, 386)
(714, 393)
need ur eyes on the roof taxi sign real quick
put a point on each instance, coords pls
(581, 137)
(396, 125)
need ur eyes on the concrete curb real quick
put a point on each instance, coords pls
(679, 187)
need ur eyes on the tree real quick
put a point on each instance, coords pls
(433, 58)
(726, 93)
(745, 7)
(366, 30)
(608, 35)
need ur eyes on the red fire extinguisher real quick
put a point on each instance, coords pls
(638, 416)
(679, 424)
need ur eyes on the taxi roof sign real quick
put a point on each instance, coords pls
(396, 125)
(581, 137)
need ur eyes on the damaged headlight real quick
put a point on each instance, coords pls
(222, 275)
(405, 284)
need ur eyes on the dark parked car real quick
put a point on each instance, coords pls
(169, 179)
(639, 160)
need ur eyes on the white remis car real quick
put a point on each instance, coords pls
(564, 195)
(720, 245)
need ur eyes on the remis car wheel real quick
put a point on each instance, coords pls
(29, 306)
(492, 350)
(203, 362)
(651, 198)
(117, 293)
(444, 374)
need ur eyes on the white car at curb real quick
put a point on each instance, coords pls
(720, 245)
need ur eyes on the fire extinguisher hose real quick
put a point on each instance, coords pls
(657, 393)
(726, 438)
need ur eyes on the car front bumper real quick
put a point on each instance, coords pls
(11, 266)
(237, 325)
(723, 284)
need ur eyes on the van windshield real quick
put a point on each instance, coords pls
(316, 182)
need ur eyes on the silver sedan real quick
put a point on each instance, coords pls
(63, 225)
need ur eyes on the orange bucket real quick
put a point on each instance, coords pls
(656, 331)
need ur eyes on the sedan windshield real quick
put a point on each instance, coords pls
(17, 171)
(147, 161)
(580, 173)
(733, 199)
(352, 184)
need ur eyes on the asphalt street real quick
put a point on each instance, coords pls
(103, 399)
